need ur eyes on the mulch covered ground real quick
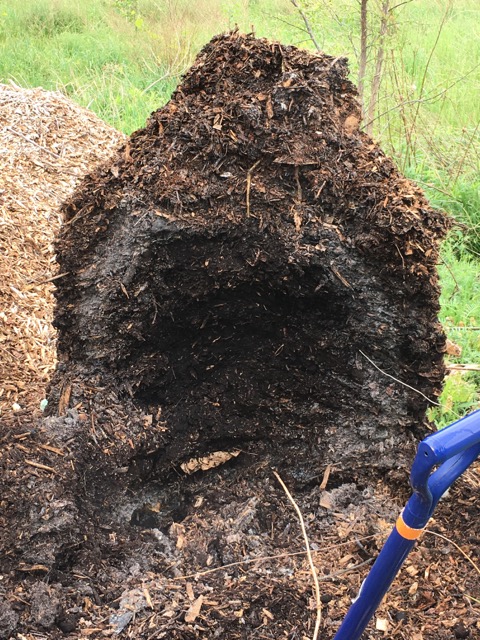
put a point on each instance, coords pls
(235, 566)
(98, 538)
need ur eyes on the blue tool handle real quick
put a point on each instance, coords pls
(374, 587)
(449, 471)
(452, 450)
(452, 440)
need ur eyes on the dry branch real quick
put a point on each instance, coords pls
(307, 24)
(313, 569)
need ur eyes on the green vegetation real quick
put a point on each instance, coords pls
(460, 301)
(123, 58)
(120, 58)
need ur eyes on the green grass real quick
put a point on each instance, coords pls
(78, 49)
(123, 58)
(122, 65)
(460, 315)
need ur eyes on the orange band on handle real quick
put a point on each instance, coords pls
(405, 531)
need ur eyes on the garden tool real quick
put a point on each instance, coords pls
(441, 458)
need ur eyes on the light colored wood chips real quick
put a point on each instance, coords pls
(48, 144)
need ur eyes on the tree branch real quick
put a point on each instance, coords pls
(307, 24)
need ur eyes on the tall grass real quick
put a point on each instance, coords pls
(120, 58)
(460, 315)
(85, 51)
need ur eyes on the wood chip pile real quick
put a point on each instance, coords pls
(48, 144)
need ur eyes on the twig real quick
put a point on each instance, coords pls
(277, 556)
(377, 78)
(290, 24)
(437, 404)
(471, 598)
(400, 4)
(467, 149)
(347, 570)
(435, 188)
(48, 447)
(307, 24)
(164, 77)
(362, 63)
(249, 184)
(326, 476)
(309, 555)
(425, 71)
(52, 279)
(17, 133)
(299, 186)
(462, 367)
(465, 555)
(37, 465)
(456, 288)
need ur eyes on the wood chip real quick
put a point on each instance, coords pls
(48, 144)
(194, 610)
(38, 465)
(326, 476)
(325, 500)
(208, 462)
(48, 447)
(381, 624)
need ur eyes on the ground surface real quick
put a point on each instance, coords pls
(199, 353)
(219, 554)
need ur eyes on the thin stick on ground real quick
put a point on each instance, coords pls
(309, 556)
(437, 404)
(293, 554)
(465, 555)
(17, 133)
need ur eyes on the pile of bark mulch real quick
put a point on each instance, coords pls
(244, 271)
(48, 145)
(146, 506)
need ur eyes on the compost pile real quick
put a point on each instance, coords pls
(248, 285)
(48, 144)
(243, 266)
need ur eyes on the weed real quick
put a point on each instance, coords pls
(459, 396)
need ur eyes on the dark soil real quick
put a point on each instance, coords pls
(250, 282)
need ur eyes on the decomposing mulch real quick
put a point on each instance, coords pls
(48, 144)
(248, 285)
(235, 566)
(243, 271)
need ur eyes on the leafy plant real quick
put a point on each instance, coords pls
(129, 10)
(459, 396)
